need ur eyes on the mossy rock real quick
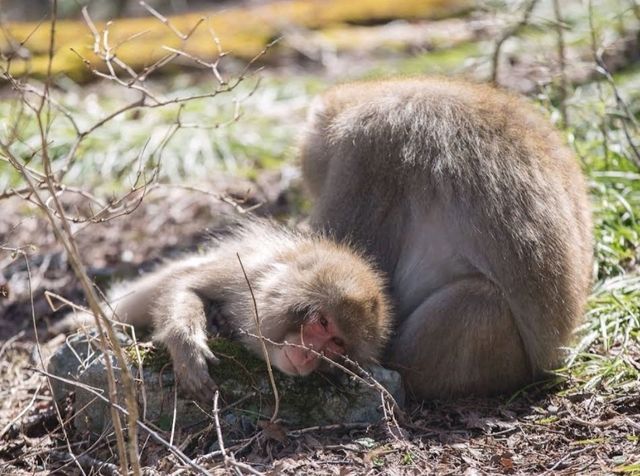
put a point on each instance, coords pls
(246, 393)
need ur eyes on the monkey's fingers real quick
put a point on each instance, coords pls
(197, 383)
(209, 355)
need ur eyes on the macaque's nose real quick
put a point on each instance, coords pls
(305, 361)
(308, 357)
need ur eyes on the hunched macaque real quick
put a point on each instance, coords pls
(477, 212)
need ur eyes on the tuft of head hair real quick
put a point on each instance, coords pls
(335, 280)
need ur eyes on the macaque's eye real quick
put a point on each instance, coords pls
(339, 342)
(323, 322)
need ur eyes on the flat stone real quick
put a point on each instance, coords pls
(246, 395)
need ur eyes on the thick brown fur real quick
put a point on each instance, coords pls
(476, 210)
(294, 275)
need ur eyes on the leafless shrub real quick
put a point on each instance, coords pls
(42, 184)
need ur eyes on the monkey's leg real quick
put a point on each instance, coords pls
(180, 325)
(462, 340)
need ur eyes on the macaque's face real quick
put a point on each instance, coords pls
(317, 334)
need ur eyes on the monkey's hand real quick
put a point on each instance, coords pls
(192, 372)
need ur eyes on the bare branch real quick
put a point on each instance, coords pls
(265, 353)
(153, 434)
(163, 19)
(508, 33)
(562, 61)
(390, 406)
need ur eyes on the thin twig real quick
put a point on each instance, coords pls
(163, 19)
(21, 413)
(335, 427)
(624, 108)
(64, 235)
(88, 463)
(594, 52)
(563, 91)
(9, 342)
(508, 33)
(41, 360)
(216, 419)
(390, 406)
(155, 435)
(276, 395)
(175, 413)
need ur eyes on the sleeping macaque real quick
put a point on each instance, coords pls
(475, 209)
(309, 292)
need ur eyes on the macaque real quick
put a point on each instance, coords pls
(476, 211)
(309, 292)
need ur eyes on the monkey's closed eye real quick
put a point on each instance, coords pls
(323, 322)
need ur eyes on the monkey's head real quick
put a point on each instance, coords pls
(322, 298)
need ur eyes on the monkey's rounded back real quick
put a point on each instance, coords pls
(444, 180)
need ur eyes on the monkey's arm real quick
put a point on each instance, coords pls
(180, 325)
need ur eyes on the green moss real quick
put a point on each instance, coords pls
(151, 358)
(241, 374)
(233, 353)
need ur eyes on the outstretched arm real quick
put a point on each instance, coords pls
(180, 325)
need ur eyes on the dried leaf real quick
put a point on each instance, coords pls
(506, 463)
(274, 431)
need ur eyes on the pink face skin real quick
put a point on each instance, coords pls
(320, 334)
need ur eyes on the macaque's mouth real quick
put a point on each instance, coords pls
(294, 369)
(295, 372)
